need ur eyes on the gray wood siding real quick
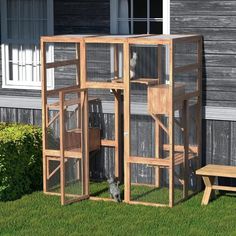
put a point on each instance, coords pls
(216, 21)
(218, 139)
(83, 16)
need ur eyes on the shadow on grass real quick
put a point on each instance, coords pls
(144, 194)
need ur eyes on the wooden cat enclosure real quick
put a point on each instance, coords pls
(160, 73)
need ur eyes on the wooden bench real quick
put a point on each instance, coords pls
(209, 173)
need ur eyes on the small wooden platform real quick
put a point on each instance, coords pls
(146, 81)
(209, 173)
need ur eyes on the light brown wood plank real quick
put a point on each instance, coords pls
(218, 170)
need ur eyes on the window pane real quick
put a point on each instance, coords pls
(140, 8)
(140, 27)
(156, 9)
(124, 27)
(26, 22)
(123, 9)
(155, 27)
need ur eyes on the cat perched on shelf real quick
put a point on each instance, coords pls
(114, 189)
(132, 64)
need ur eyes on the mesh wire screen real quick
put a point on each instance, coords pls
(104, 62)
(145, 186)
(53, 180)
(102, 164)
(99, 116)
(147, 62)
(63, 76)
(142, 136)
(185, 53)
(53, 131)
(73, 122)
(73, 178)
(185, 82)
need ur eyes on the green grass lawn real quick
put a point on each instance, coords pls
(38, 214)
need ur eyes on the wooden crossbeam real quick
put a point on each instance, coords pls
(157, 119)
(53, 119)
(186, 68)
(179, 124)
(61, 63)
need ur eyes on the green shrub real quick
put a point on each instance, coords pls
(20, 160)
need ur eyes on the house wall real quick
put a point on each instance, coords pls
(218, 138)
(213, 19)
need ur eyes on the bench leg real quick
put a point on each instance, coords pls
(209, 192)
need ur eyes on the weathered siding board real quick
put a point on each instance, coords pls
(219, 139)
(219, 142)
(84, 16)
(202, 21)
(202, 7)
(216, 21)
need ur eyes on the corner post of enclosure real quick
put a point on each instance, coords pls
(199, 107)
(126, 123)
(62, 140)
(186, 147)
(44, 112)
(78, 112)
(171, 123)
(85, 126)
(117, 134)
(157, 126)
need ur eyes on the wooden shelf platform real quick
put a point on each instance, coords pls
(69, 102)
(56, 154)
(146, 81)
(165, 162)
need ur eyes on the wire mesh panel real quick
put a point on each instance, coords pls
(73, 122)
(67, 55)
(187, 116)
(104, 62)
(103, 163)
(194, 154)
(53, 123)
(185, 53)
(74, 179)
(53, 175)
(143, 184)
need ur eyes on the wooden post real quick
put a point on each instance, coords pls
(62, 140)
(157, 126)
(78, 110)
(116, 61)
(171, 124)
(117, 134)
(127, 181)
(199, 110)
(186, 149)
(84, 100)
(44, 112)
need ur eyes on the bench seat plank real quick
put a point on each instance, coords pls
(217, 170)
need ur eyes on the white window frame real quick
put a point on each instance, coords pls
(114, 4)
(6, 82)
(114, 20)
